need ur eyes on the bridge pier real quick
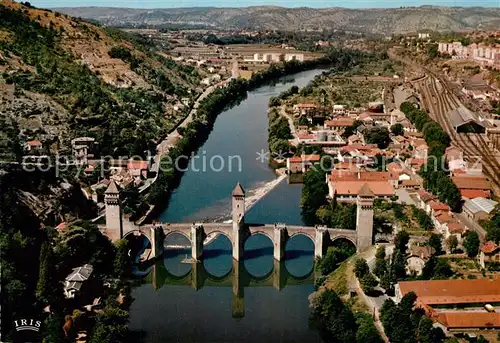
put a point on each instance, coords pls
(197, 276)
(197, 238)
(238, 303)
(319, 241)
(279, 241)
(279, 275)
(156, 234)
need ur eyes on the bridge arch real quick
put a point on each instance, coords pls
(301, 233)
(179, 232)
(338, 239)
(137, 233)
(261, 232)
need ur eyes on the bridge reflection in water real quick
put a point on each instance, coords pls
(238, 278)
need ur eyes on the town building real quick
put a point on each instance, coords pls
(464, 121)
(469, 183)
(309, 111)
(339, 125)
(479, 208)
(456, 305)
(32, 146)
(75, 281)
(83, 149)
(490, 252)
(301, 164)
(345, 185)
(480, 53)
(419, 255)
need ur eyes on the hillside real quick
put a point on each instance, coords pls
(381, 21)
(61, 78)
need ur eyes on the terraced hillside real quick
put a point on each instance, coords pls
(61, 78)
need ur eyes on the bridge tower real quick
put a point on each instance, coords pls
(364, 217)
(114, 220)
(238, 213)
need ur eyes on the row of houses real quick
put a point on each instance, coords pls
(481, 53)
(456, 305)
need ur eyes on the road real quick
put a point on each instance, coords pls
(472, 225)
(373, 303)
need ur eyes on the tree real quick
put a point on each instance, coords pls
(380, 267)
(426, 333)
(43, 287)
(333, 319)
(367, 332)
(435, 243)
(122, 262)
(385, 281)
(398, 266)
(401, 241)
(111, 326)
(397, 129)
(379, 136)
(368, 283)
(314, 194)
(493, 233)
(361, 268)
(436, 269)
(380, 254)
(471, 243)
(452, 243)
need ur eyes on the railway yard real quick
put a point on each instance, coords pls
(438, 99)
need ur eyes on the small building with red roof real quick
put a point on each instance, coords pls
(33, 145)
(301, 164)
(489, 252)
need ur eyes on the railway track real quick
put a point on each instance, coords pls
(441, 102)
(474, 146)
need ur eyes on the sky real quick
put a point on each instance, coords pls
(244, 3)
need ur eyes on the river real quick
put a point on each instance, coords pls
(256, 300)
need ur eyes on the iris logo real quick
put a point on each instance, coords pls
(27, 324)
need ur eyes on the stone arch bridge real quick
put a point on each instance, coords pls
(238, 231)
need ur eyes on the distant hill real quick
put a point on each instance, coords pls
(381, 21)
(62, 77)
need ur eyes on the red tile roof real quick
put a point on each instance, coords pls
(456, 227)
(474, 193)
(34, 143)
(379, 188)
(471, 182)
(489, 247)
(343, 175)
(425, 196)
(439, 206)
(305, 136)
(142, 165)
(445, 218)
(341, 122)
(465, 320)
(305, 158)
(417, 162)
(410, 183)
(433, 292)
(309, 105)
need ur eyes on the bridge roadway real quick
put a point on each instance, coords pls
(238, 278)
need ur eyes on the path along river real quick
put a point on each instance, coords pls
(253, 310)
